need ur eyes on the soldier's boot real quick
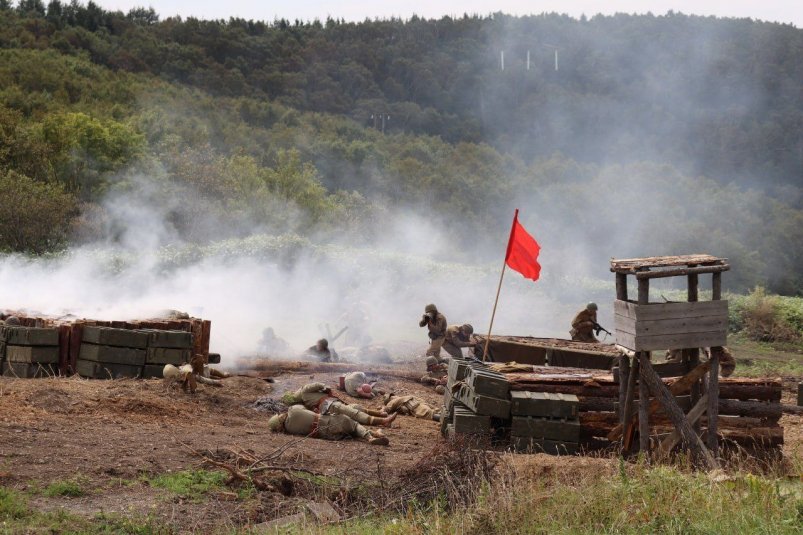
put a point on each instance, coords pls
(372, 412)
(383, 421)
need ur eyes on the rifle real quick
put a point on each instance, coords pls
(599, 328)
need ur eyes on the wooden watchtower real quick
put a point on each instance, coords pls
(642, 327)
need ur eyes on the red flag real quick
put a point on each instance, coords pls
(522, 251)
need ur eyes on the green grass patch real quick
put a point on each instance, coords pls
(70, 488)
(189, 484)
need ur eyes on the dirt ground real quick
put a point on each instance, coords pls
(116, 434)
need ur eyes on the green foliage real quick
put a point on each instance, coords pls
(767, 318)
(189, 484)
(12, 505)
(70, 488)
(34, 216)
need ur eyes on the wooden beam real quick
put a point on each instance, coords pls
(643, 414)
(676, 416)
(643, 291)
(677, 388)
(624, 378)
(627, 419)
(693, 287)
(665, 311)
(716, 286)
(692, 356)
(713, 403)
(621, 286)
(672, 440)
(680, 272)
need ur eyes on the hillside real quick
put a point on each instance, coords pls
(657, 135)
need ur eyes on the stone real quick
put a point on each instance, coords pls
(544, 404)
(106, 336)
(273, 527)
(112, 355)
(33, 354)
(323, 512)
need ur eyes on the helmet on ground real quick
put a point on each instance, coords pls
(467, 328)
(276, 422)
(592, 306)
(430, 308)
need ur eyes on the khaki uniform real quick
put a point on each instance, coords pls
(583, 326)
(437, 335)
(410, 406)
(301, 421)
(315, 397)
(353, 381)
(454, 340)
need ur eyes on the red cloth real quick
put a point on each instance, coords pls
(522, 251)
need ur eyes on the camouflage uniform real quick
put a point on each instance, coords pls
(410, 406)
(455, 338)
(316, 397)
(583, 326)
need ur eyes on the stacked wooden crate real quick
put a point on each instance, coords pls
(108, 353)
(545, 422)
(29, 352)
(166, 347)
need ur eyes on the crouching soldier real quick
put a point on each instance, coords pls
(458, 337)
(318, 397)
(320, 351)
(583, 324)
(410, 406)
(300, 421)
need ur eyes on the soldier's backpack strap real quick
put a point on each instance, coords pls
(314, 431)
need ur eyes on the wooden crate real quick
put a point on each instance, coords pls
(670, 325)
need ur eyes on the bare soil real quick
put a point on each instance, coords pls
(114, 435)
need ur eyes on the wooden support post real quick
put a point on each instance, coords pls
(624, 379)
(672, 440)
(693, 287)
(676, 416)
(716, 286)
(621, 287)
(643, 291)
(643, 405)
(628, 407)
(692, 356)
(713, 403)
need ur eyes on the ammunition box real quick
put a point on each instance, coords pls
(534, 445)
(544, 404)
(560, 430)
(105, 370)
(106, 336)
(33, 354)
(112, 355)
(31, 336)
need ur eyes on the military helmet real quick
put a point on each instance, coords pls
(323, 343)
(592, 306)
(276, 422)
(467, 328)
(430, 308)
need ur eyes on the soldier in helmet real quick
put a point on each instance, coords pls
(457, 337)
(318, 397)
(435, 322)
(583, 324)
(410, 405)
(300, 421)
(321, 351)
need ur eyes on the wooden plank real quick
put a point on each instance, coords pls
(668, 341)
(679, 272)
(621, 286)
(643, 291)
(716, 286)
(665, 311)
(667, 401)
(672, 440)
(624, 375)
(643, 414)
(630, 265)
(628, 406)
(657, 327)
(692, 356)
(663, 369)
(76, 335)
(678, 387)
(713, 405)
(64, 348)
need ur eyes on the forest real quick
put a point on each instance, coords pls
(615, 135)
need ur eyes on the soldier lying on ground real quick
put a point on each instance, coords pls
(437, 369)
(457, 337)
(726, 361)
(410, 406)
(300, 421)
(321, 351)
(318, 397)
(435, 323)
(583, 324)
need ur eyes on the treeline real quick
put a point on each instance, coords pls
(719, 97)
(83, 134)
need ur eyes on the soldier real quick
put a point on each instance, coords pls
(318, 397)
(436, 325)
(726, 361)
(583, 324)
(321, 351)
(458, 336)
(300, 421)
(410, 406)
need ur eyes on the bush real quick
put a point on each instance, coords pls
(767, 318)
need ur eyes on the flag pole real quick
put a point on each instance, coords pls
(499, 288)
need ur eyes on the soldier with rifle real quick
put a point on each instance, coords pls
(584, 325)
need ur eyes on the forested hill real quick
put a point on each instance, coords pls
(277, 127)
